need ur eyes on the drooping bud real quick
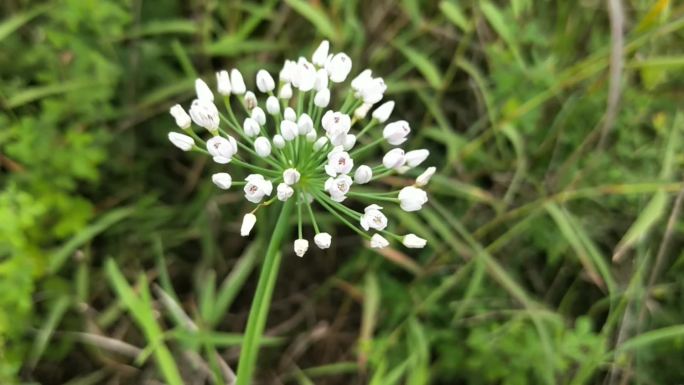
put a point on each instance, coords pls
(222, 180)
(247, 224)
(181, 141)
(182, 118)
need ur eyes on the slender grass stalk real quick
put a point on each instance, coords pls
(262, 298)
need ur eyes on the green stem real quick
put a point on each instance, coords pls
(262, 299)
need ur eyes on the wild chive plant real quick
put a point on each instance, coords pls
(296, 142)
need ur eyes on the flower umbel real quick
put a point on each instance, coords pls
(289, 133)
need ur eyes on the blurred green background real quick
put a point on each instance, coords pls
(554, 226)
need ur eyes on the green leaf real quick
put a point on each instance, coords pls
(316, 16)
(453, 12)
(424, 65)
(8, 26)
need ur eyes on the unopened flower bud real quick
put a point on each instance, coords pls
(413, 241)
(272, 105)
(321, 53)
(412, 198)
(320, 142)
(361, 111)
(416, 157)
(288, 129)
(203, 91)
(259, 115)
(395, 133)
(339, 67)
(264, 81)
(222, 180)
(382, 113)
(291, 176)
(363, 174)
(323, 240)
(290, 114)
(182, 118)
(284, 192)
(304, 124)
(285, 91)
(279, 141)
(181, 141)
(250, 100)
(394, 158)
(262, 146)
(377, 241)
(322, 98)
(223, 83)
(237, 83)
(300, 247)
(311, 136)
(247, 224)
(424, 178)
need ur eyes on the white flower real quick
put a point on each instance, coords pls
(339, 67)
(322, 98)
(272, 105)
(259, 115)
(290, 114)
(323, 240)
(291, 176)
(205, 114)
(320, 142)
(412, 198)
(288, 72)
(363, 174)
(257, 187)
(394, 158)
(288, 129)
(223, 83)
(377, 241)
(250, 100)
(416, 157)
(424, 178)
(373, 91)
(382, 113)
(304, 124)
(338, 187)
(181, 141)
(305, 76)
(311, 136)
(321, 80)
(413, 241)
(395, 133)
(222, 180)
(203, 91)
(247, 224)
(264, 81)
(349, 142)
(262, 146)
(284, 192)
(361, 111)
(182, 118)
(373, 218)
(251, 127)
(279, 141)
(300, 247)
(285, 91)
(339, 162)
(321, 53)
(361, 80)
(237, 83)
(336, 126)
(222, 149)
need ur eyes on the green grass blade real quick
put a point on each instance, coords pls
(54, 317)
(316, 16)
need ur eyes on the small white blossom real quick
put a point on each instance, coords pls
(203, 91)
(237, 83)
(320, 142)
(288, 129)
(259, 115)
(304, 124)
(251, 127)
(223, 83)
(396, 132)
(321, 80)
(377, 241)
(382, 113)
(288, 72)
(413, 241)
(285, 91)
(222, 180)
(222, 149)
(373, 91)
(205, 114)
(336, 126)
(339, 162)
(182, 118)
(412, 198)
(264, 81)
(181, 141)
(394, 158)
(272, 105)
(306, 75)
(322, 98)
(284, 192)
(361, 80)
(250, 100)
(424, 178)
(361, 111)
(339, 67)
(257, 187)
(311, 136)
(349, 142)
(363, 174)
(262, 146)
(373, 218)
(247, 224)
(416, 157)
(279, 141)
(323, 240)
(338, 187)
(321, 53)
(300, 247)
(290, 114)
(291, 176)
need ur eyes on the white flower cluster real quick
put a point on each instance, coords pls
(306, 148)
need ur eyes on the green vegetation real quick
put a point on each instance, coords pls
(554, 223)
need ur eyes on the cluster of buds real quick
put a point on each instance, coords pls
(295, 141)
